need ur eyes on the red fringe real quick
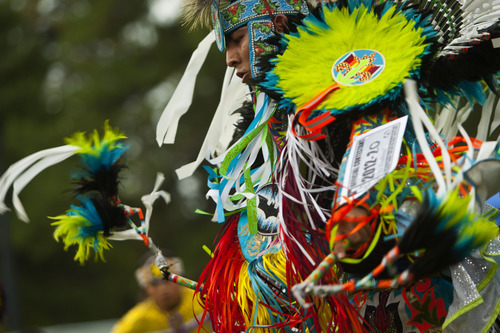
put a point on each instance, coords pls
(220, 277)
(344, 317)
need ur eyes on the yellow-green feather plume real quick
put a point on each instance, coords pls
(83, 226)
(305, 68)
(93, 144)
(69, 230)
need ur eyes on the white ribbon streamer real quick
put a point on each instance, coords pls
(183, 95)
(22, 172)
(233, 94)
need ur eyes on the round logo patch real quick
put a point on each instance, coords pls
(358, 67)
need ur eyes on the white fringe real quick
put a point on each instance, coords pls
(420, 120)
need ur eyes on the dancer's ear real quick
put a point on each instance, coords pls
(281, 23)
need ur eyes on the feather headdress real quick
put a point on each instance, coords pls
(197, 12)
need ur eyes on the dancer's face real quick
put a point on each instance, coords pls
(238, 54)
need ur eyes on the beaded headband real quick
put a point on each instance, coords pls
(243, 12)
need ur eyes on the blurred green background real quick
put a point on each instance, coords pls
(67, 66)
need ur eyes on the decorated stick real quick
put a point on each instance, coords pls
(162, 265)
(129, 212)
(101, 216)
(367, 282)
(301, 290)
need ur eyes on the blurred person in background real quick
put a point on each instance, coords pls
(166, 307)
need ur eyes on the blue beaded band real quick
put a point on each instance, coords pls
(243, 12)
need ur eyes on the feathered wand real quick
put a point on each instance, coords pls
(98, 216)
(442, 233)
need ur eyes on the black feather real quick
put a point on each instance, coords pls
(105, 181)
(113, 217)
(247, 115)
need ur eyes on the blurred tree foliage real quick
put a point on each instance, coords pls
(67, 66)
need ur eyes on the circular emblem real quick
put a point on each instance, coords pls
(358, 67)
(218, 32)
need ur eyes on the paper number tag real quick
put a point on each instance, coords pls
(373, 155)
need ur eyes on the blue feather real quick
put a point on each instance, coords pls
(88, 211)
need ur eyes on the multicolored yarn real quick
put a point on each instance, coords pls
(254, 286)
(241, 295)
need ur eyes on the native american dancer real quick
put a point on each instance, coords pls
(342, 148)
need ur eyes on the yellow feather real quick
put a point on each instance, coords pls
(68, 230)
(93, 144)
